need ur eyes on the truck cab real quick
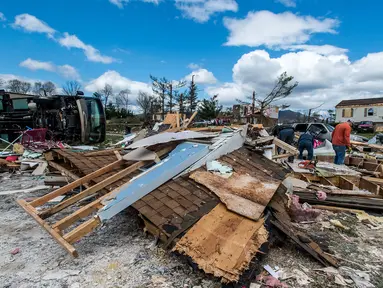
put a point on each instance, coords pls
(71, 119)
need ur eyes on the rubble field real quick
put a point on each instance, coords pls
(119, 254)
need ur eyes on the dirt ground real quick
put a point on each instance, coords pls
(119, 254)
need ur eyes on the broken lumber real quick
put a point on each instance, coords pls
(354, 202)
(290, 149)
(223, 243)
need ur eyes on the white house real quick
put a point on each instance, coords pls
(360, 110)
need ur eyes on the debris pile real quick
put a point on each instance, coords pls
(218, 195)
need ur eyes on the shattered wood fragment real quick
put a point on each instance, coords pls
(241, 193)
(223, 243)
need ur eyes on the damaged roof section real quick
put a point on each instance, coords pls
(223, 243)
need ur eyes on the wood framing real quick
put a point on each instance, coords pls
(290, 149)
(58, 230)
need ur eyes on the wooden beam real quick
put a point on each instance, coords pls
(64, 171)
(103, 152)
(92, 190)
(59, 239)
(369, 186)
(378, 181)
(190, 120)
(370, 166)
(44, 199)
(374, 146)
(337, 209)
(285, 146)
(282, 156)
(325, 181)
(118, 155)
(83, 229)
(345, 184)
(79, 214)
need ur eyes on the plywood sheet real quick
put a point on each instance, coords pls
(241, 193)
(223, 243)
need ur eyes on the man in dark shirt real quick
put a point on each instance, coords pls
(306, 142)
(286, 134)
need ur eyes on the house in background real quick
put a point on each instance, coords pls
(358, 110)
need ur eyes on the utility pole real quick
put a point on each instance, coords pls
(253, 108)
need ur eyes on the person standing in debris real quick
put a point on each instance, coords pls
(286, 134)
(341, 141)
(306, 142)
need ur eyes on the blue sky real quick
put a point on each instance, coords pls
(333, 48)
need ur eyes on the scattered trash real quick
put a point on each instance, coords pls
(338, 224)
(15, 251)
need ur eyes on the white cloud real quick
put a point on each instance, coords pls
(118, 82)
(92, 54)
(274, 30)
(66, 71)
(193, 66)
(320, 49)
(2, 17)
(202, 76)
(30, 23)
(322, 78)
(120, 3)
(287, 3)
(37, 65)
(202, 10)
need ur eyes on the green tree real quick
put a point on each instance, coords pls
(192, 96)
(209, 108)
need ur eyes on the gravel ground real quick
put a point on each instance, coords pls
(118, 254)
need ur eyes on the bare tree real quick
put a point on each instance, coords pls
(2, 83)
(313, 109)
(144, 100)
(122, 98)
(17, 86)
(71, 88)
(160, 86)
(281, 90)
(106, 93)
(44, 89)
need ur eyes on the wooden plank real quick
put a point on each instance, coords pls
(92, 190)
(325, 181)
(63, 170)
(178, 120)
(118, 155)
(285, 146)
(369, 186)
(79, 214)
(337, 209)
(345, 184)
(83, 229)
(56, 236)
(370, 166)
(282, 156)
(44, 199)
(355, 161)
(309, 246)
(378, 181)
(190, 120)
(103, 152)
(374, 146)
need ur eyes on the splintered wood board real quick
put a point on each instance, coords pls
(241, 193)
(223, 243)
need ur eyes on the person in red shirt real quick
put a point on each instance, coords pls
(341, 141)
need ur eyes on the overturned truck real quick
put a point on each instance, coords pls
(72, 119)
